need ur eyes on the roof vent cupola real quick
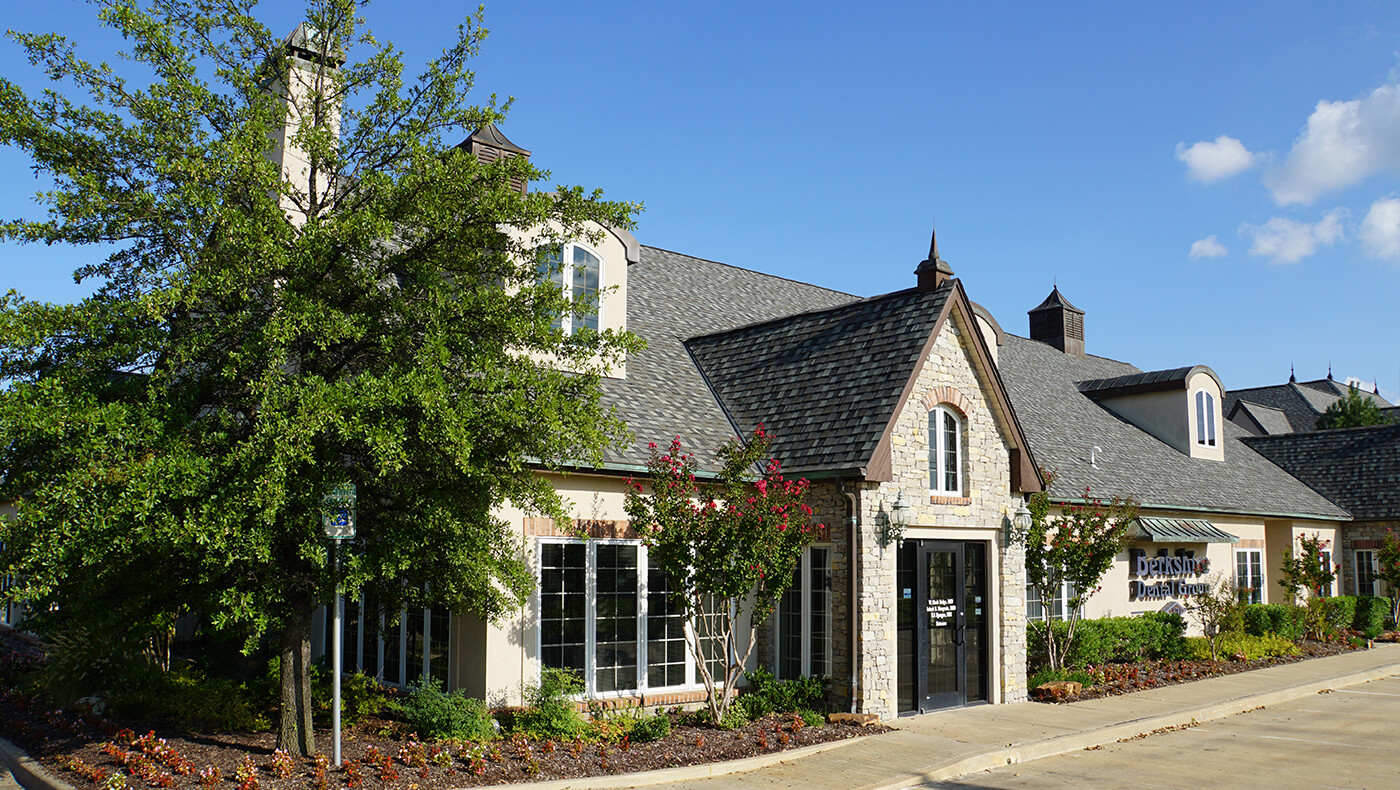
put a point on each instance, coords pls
(488, 145)
(933, 271)
(1058, 323)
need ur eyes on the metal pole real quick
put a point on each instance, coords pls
(335, 654)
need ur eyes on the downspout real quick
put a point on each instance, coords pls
(853, 533)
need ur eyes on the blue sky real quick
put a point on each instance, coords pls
(1212, 185)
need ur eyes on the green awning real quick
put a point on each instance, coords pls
(1180, 530)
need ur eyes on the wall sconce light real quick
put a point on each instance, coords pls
(896, 521)
(1020, 522)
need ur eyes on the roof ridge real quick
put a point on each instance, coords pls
(751, 271)
(860, 300)
(1086, 355)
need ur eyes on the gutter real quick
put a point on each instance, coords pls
(1217, 511)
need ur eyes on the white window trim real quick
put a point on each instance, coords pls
(937, 441)
(358, 642)
(1045, 608)
(566, 272)
(1257, 560)
(1205, 418)
(804, 570)
(1371, 566)
(692, 675)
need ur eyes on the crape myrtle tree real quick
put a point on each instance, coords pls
(256, 339)
(1077, 546)
(1388, 570)
(728, 548)
(1306, 573)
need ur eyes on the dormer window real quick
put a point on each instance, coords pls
(1205, 419)
(577, 271)
(945, 451)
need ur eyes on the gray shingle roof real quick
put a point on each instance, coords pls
(1301, 402)
(672, 297)
(824, 383)
(1267, 418)
(1061, 424)
(1358, 468)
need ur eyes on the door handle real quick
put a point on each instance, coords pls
(961, 637)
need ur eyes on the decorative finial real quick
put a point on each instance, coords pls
(1292, 379)
(933, 242)
(1329, 370)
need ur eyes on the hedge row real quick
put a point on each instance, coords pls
(1155, 635)
(1364, 613)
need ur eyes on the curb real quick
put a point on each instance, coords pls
(27, 771)
(1051, 747)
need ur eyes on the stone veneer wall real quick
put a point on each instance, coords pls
(980, 515)
(1364, 535)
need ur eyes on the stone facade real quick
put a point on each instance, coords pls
(1360, 535)
(950, 375)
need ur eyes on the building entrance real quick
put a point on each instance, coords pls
(943, 614)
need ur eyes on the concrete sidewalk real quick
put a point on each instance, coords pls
(942, 745)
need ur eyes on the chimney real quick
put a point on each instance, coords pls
(488, 145)
(310, 90)
(933, 271)
(1058, 323)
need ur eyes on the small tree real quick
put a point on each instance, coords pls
(1305, 573)
(1215, 609)
(1353, 411)
(1078, 546)
(728, 549)
(1388, 571)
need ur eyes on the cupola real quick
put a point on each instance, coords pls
(488, 145)
(933, 271)
(1058, 323)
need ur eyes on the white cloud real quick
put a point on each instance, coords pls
(1342, 143)
(1290, 241)
(1208, 161)
(1380, 230)
(1209, 247)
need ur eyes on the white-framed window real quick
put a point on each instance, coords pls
(1366, 572)
(1249, 575)
(401, 654)
(802, 628)
(578, 271)
(1038, 608)
(945, 428)
(1325, 591)
(608, 616)
(1205, 418)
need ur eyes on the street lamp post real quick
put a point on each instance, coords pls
(338, 521)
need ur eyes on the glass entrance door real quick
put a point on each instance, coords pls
(943, 616)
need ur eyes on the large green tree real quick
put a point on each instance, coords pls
(1353, 411)
(259, 333)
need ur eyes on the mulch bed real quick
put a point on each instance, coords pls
(92, 752)
(1127, 678)
(86, 752)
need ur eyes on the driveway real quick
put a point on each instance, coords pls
(1342, 738)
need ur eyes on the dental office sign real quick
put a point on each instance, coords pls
(1162, 577)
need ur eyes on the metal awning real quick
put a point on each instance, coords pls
(1180, 530)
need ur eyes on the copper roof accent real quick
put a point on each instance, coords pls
(1055, 299)
(1136, 383)
(491, 135)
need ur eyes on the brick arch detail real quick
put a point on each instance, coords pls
(949, 395)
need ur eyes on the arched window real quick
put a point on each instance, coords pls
(945, 428)
(578, 271)
(1205, 418)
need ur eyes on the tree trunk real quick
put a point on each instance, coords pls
(294, 733)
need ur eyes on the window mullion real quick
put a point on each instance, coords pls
(591, 621)
(643, 638)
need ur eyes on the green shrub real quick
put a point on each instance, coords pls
(437, 715)
(1155, 635)
(649, 728)
(766, 694)
(191, 700)
(1341, 612)
(812, 718)
(1250, 645)
(550, 713)
(84, 663)
(1371, 615)
(361, 696)
(1261, 619)
(734, 718)
(1047, 675)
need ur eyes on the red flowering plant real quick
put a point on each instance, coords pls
(1077, 546)
(728, 547)
(1388, 570)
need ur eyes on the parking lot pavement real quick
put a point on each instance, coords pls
(1342, 738)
